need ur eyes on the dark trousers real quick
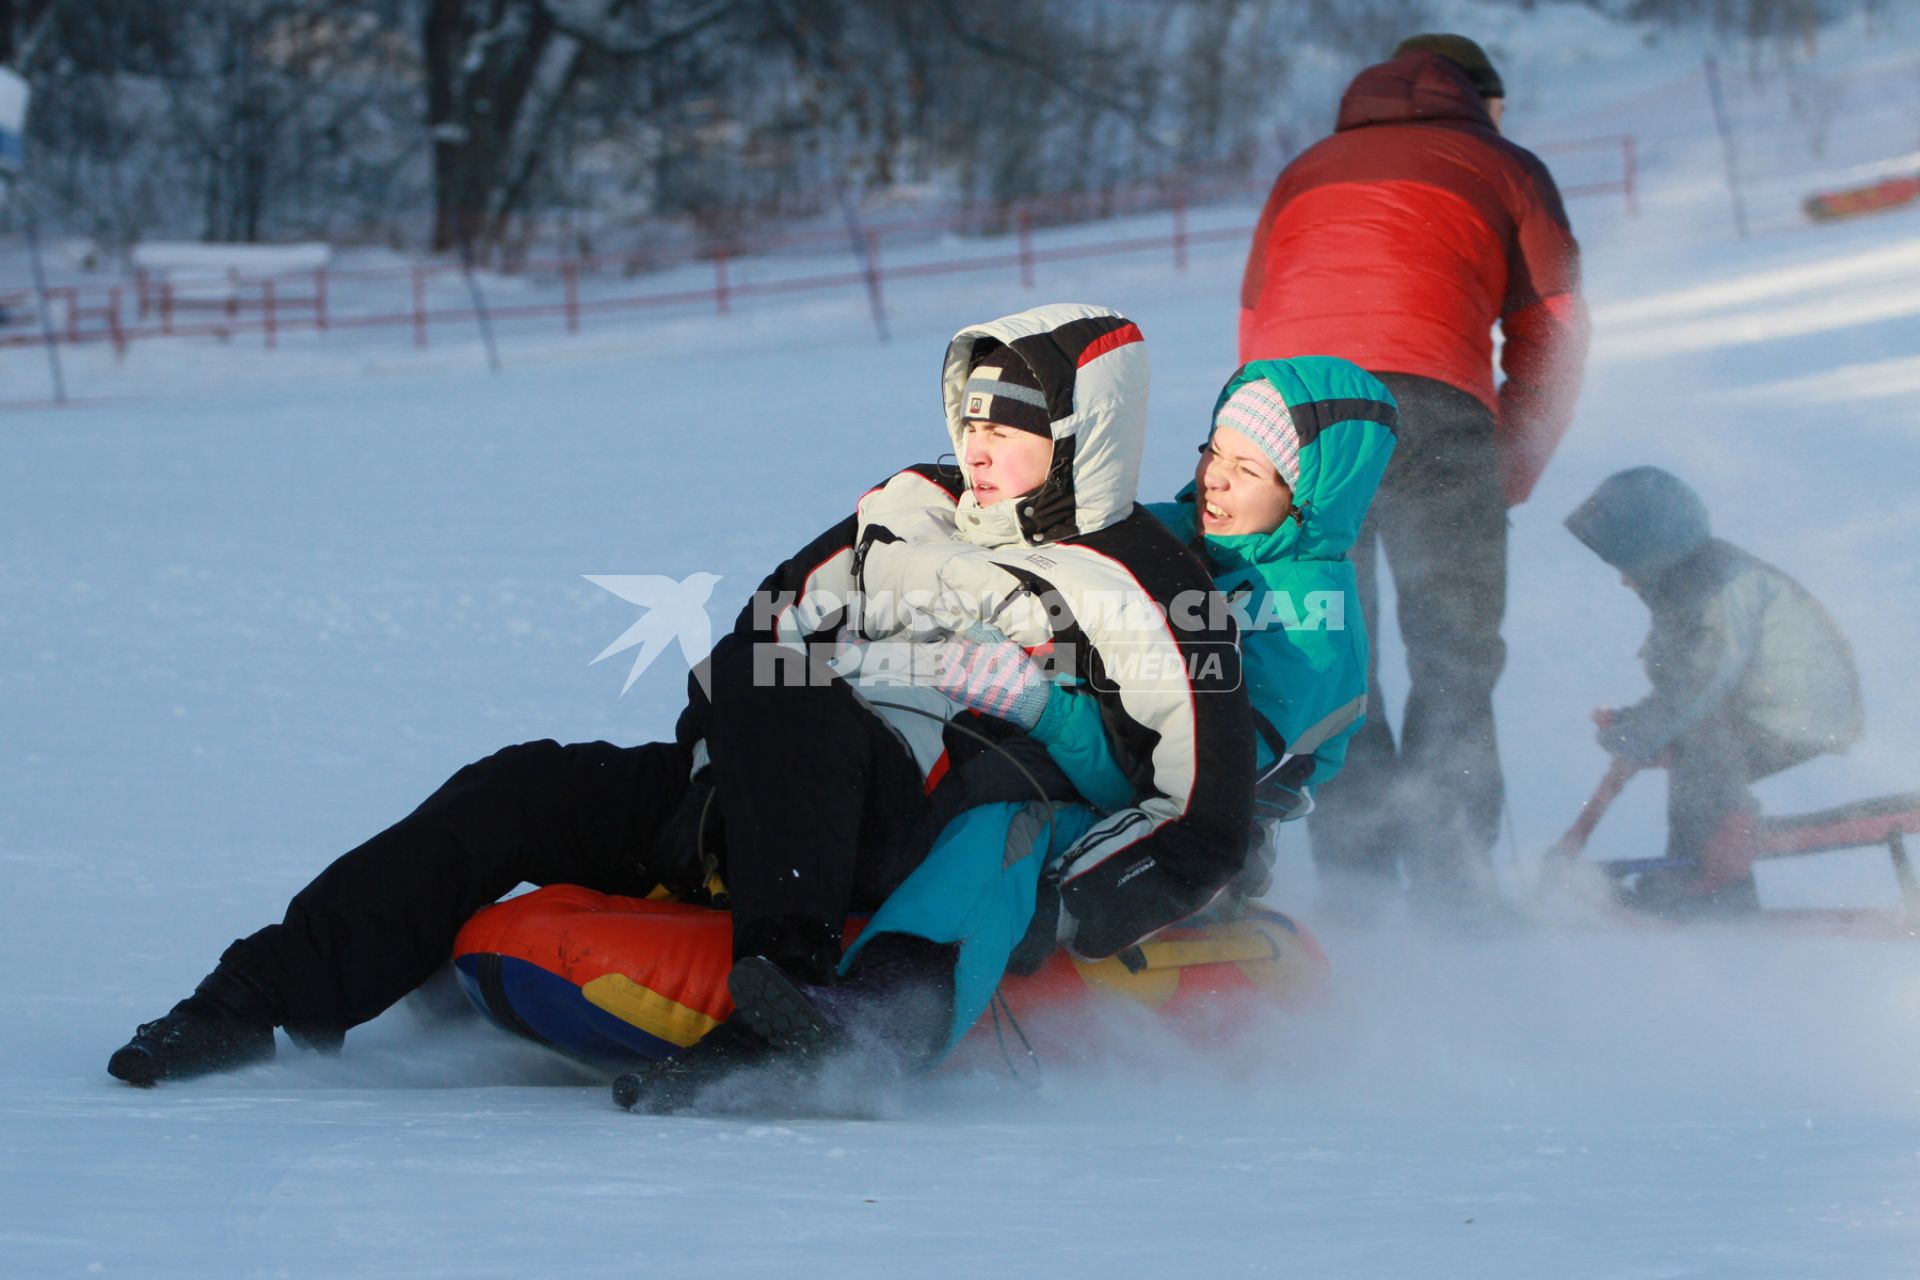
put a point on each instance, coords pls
(1710, 769)
(382, 918)
(822, 805)
(1713, 818)
(1427, 805)
(819, 802)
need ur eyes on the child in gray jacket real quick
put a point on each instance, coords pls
(1750, 676)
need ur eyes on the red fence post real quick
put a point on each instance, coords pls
(166, 307)
(722, 287)
(320, 300)
(420, 307)
(267, 313)
(1180, 233)
(570, 275)
(73, 313)
(114, 327)
(1630, 164)
(1026, 249)
(141, 283)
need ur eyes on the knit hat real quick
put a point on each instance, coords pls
(1462, 53)
(1002, 389)
(1259, 412)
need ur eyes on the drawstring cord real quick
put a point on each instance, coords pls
(998, 1007)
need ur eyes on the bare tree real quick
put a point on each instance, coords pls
(500, 75)
(25, 30)
(273, 101)
(263, 118)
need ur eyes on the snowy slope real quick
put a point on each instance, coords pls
(245, 627)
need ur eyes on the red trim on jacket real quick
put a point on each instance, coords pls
(1125, 335)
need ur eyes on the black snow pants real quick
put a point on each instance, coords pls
(1429, 805)
(382, 918)
(822, 805)
(821, 812)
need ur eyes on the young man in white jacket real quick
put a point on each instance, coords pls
(919, 612)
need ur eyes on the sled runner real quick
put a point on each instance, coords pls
(1885, 820)
(626, 980)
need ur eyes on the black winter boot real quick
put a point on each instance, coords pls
(801, 945)
(677, 1083)
(893, 1009)
(226, 1024)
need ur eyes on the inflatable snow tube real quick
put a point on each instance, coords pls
(626, 980)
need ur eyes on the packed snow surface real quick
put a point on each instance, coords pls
(251, 619)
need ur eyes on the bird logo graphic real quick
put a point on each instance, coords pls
(675, 610)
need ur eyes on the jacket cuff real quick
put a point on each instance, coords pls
(1053, 719)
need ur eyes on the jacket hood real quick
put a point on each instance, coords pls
(1346, 420)
(1642, 521)
(1092, 366)
(1412, 87)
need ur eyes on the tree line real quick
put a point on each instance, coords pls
(450, 122)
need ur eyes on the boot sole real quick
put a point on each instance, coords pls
(777, 1010)
(135, 1066)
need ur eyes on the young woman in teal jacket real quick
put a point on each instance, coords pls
(1293, 455)
(1285, 477)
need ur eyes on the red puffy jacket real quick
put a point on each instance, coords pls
(1400, 240)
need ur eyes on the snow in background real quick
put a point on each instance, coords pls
(258, 608)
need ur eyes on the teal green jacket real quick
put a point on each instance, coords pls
(1303, 642)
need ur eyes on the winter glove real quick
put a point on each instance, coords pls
(1624, 735)
(982, 669)
(1280, 793)
(900, 589)
(1280, 801)
(1118, 901)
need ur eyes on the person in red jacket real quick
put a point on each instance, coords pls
(1398, 243)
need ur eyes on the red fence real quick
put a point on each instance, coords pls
(270, 305)
(1627, 185)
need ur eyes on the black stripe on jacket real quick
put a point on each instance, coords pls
(1175, 869)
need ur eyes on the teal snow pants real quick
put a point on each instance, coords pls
(977, 888)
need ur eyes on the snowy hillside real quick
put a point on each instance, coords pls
(254, 616)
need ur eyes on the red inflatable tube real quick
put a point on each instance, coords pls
(626, 979)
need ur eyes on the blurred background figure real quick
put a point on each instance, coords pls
(1398, 243)
(1750, 676)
